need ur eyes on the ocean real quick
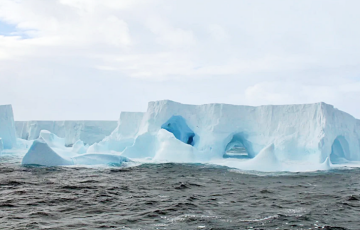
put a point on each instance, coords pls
(175, 196)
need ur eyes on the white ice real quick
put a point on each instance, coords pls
(305, 137)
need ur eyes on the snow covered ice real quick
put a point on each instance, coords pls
(305, 137)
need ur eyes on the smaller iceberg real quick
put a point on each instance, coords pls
(50, 150)
(40, 153)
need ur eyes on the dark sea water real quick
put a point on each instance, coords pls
(175, 196)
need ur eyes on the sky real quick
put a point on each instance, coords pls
(92, 59)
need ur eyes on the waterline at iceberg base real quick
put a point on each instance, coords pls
(305, 137)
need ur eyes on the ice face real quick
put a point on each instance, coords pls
(123, 136)
(87, 131)
(314, 136)
(270, 135)
(7, 127)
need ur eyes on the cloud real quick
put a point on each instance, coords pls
(218, 32)
(244, 52)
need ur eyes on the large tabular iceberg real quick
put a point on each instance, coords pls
(87, 131)
(7, 127)
(171, 131)
(267, 137)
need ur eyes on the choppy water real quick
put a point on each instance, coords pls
(175, 196)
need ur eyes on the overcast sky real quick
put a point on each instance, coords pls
(92, 59)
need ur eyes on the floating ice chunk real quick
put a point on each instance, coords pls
(49, 150)
(40, 153)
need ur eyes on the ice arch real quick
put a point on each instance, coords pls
(339, 150)
(239, 147)
(177, 126)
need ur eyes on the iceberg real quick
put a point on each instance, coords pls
(40, 153)
(89, 132)
(50, 150)
(7, 127)
(269, 135)
(263, 138)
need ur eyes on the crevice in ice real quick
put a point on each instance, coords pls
(238, 147)
(177, 126)
(339, 150)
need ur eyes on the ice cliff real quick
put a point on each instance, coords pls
(87, 131)
(7, 128)
(191, 133)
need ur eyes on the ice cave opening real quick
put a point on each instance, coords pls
(339, 151)
(177, 126)
(239, 148)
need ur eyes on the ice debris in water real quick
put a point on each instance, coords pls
(49, 150)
